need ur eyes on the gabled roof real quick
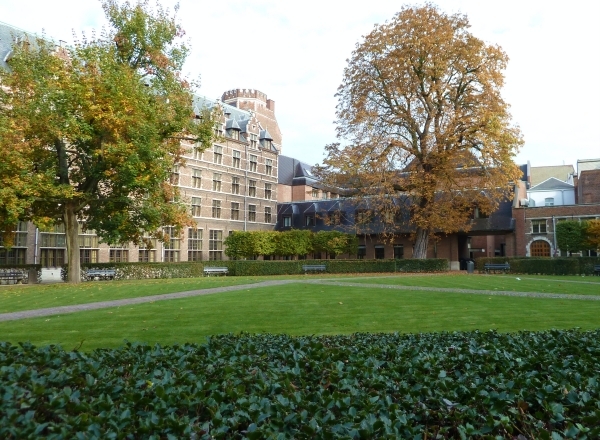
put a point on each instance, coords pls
(560, 172)
(550, 184)
(8, 34)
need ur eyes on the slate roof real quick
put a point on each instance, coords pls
(550, 184)
(560, 172)
(7, 38)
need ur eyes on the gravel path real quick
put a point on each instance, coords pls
(147, 299)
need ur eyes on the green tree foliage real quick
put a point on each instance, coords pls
(294, 242)
(421, 110)
(571, 236)
(91, 133)
(242, 244)
(335, 243)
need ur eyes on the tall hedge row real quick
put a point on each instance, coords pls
(545, 266)
(259, 267)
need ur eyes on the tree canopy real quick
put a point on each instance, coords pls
(571, 236)
(422, 115)
(91, 132)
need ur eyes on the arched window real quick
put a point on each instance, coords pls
(539, 248)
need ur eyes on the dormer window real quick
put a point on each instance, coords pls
(234, 134)
(549, 201)
(253, 141)
(266, 143)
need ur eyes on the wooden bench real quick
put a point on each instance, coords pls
(504, 267)
(12, 275)
(314, 268)
(215, 270)
(101, 274)
(597, 269)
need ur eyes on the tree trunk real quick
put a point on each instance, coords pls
(421, 244)
(72, 236)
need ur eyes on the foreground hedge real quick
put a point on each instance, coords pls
(541, 385)
(260, 267)
(545, 266)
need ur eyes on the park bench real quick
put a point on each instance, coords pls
(16, 276)
(314, 267)
(100, 274)
(504, 267)
(597, 269)
(215, 270)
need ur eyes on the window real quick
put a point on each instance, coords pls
(549, 201)
(253, 163)
(88, 255)
(234, 134)
(287, 221)
(362, 216)
(362, 252)
(215, 245)
(118, 255)
(268, 191)
(52, 257)
(235, 185)
(12, 256)
(251, 213)
(267, 214)
(15, 255)
(53, 238)
(217, 182)
(218, 154)
(269, 167)
(315, 193)
(334, 218)
(175, 175)
(147, 251)
(266, 143)
(252, 188)
(197, 153)
(235, 211)
(309, 220)
(196, 206)
(237, 159)
(538, 226)
(219, 129)
(253, 141)
(172, 245)
(398, 251)
(196, 178)
(216, 209)
(379, 252)
(194, 244)
(539, 248)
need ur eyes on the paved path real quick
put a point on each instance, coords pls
(147, 299)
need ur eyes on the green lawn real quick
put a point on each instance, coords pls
(26, 297)
(514, 283)
(301, 309)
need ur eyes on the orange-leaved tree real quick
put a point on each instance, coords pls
(91, 132)
(425, 127)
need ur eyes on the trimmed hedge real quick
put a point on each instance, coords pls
(534, 385)
(545, 266)
(133, 271)
(24, 269)
(294, 267)
(140, 271)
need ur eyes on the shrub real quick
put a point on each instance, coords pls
(139, 271)
(440, 385)
(545, 266)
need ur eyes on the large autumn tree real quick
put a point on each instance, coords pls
(424, 125)
(90, 133)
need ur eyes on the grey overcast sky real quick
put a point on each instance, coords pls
(295, 52)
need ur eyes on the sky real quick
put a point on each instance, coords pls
(296, 51)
